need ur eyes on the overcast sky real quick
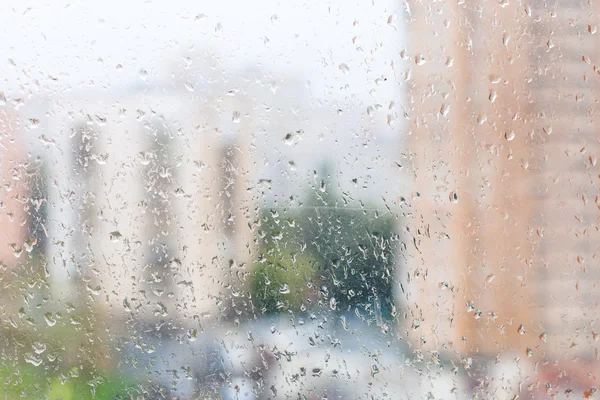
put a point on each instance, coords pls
(81, 43)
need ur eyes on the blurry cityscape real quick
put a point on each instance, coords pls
(422, 231)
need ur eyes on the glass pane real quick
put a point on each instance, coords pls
(299, 200)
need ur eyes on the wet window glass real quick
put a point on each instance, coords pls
(379, 199)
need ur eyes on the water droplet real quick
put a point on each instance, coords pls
(95, 290)
(17, 251)
(185, 284)
(333, 303)
(144, 157)
(236, 117)
(34, 123)
(38, 347)
(29, 244)
(419, 59)
(100, 158)
(49, 318)
(390, 120)
(126, 305)
(510, 136)
(344, 68)
(392, 20)
(33, 359)
(192, 334)
(521, 329)
(100, 121)
(199, 165)
(285, 289)
(454, 197)
(444, 110)
(374, 370)
(143, 74)
(288, 139)
(323, 186)
(115, 236)
(529, 352)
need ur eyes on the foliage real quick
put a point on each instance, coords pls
(28, 381)
(356, 248)
(282, 276)
(348, 253)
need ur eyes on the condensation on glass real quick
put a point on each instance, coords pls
(265, 200)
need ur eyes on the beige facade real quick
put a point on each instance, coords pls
(503, 108)
(151, 203)
(13, 192)
(475, 169)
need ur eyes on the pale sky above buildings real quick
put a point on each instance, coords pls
(50, 45)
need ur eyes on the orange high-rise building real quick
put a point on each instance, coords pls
(503, 106)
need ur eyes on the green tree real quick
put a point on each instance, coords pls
(356, 248)
(283, 274)
(329, 250)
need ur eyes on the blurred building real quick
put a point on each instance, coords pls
(14, 201)
(149, 211)
(153, 190)
(503, 108)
